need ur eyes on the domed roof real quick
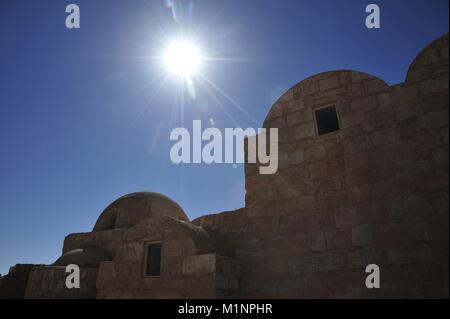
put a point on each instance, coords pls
(433, 55)
(83, 257)
(306, 88)
(133, 208)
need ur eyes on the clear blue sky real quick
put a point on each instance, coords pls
(80, 123)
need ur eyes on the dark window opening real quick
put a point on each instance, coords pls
(327, 120)
(152, 260)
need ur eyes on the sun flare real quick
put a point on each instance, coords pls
(182, 58)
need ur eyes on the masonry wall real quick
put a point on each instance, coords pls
(374, 192)
(191, 266)
(49, 282)
(13, 285)
(108, 240)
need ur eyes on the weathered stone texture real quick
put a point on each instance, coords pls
(14, 284)
(371, 191)
(49, 282)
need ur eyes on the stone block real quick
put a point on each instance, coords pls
(321, 220)
(382, 138)
(318, 264)
(306, 115)
(199, 264)
(339, 240)
(358, 76)
(408, 254)
(314, 153)
(374, 86)
(387, 233)
(250, 256)
(341, 91)
(427, 57)
(428, 139)
(288, 96)
(440, 202)
(276, 111)
(384, 100)
(378, 119)
(441, 158)
(346, 216)
(295, 105)
(309, 87)
(355, 90)
(296, 157)
(333, 198)
(360, 143)
(316, 241)
(407, 110)
(434, 119)
(233, 283)
(364, 104)
(294, 118)
(304, 131)
(307, 202)
(365, 256)
(318, 169)
(329, 83)
(362, 235)
(287, 246)
(419, 205)
(435, 85)
(416, 229)
(295, 223)
(351, 119)
(277, 122)
(132, 251)
(331, 184)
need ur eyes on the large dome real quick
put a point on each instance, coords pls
(133, 208)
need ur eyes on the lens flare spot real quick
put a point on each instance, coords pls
(182, 58)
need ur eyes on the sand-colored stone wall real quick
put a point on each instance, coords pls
(374, 192)
(190, 267)
(49, 282)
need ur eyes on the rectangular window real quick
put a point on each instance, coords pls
(327, 120)
(152, 259)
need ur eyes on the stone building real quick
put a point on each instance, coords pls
(362, 179)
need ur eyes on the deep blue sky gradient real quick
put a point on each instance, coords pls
(79, 126)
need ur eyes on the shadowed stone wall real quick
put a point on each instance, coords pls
(14, 284)
(374, 192)
(49, 282)
(190, 265)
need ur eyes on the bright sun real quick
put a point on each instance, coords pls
(182, 58)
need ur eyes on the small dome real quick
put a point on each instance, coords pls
(83, 257)
(133, 208)
(435, 53)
